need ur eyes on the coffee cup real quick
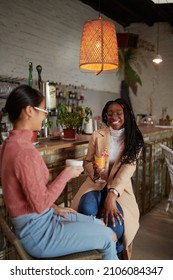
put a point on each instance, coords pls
(74, 162)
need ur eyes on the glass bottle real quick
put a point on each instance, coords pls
(39, 69)
(30, 80)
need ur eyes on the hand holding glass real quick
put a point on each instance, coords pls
(100, 161)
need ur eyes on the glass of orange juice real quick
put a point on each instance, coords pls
(100, 161)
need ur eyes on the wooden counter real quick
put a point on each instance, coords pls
(149, 132)
(156, 133)
(47, 143)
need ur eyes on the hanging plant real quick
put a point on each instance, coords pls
(126, 58)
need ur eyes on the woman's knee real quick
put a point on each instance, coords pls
(85, 209)
(88, 204)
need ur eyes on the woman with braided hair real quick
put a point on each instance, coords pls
(114, 201)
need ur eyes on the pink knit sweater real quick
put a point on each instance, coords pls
(25, 176)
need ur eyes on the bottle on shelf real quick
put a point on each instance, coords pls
(30, 79)
(76, 92)
(70, 92)
(66, 92)
(39, 69)
(69, 106)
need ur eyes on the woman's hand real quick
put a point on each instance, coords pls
(110, 210)
(96, 168)
(74, 171)
(61, 211)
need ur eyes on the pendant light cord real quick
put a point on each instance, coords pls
(97, 73)
(158, 38)
(99, 8)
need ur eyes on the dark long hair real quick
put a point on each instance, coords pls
(134, 141)
(20, 98)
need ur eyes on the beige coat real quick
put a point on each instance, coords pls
(119, 178)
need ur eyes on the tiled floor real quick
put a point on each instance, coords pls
(154, 240)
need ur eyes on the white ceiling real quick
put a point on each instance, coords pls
(162, 1)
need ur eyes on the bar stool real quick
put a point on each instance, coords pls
(168, 153)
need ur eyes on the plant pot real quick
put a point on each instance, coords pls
(69, 134)
(127, 40)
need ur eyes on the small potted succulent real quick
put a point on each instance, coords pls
(70, 120)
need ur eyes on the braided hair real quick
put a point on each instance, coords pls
(133, 137)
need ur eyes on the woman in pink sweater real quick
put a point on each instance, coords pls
(45, 229)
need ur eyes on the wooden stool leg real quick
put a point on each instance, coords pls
(126, 255)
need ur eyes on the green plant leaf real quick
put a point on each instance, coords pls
(72, 119)
(131, 74)
(131, 77)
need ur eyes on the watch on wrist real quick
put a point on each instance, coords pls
(114, 191)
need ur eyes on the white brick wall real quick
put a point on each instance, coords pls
(48, 32)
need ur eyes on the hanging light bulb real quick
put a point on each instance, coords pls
(99, 48)
(157, 58)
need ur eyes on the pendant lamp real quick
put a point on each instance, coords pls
(99, 49)
(157, 58)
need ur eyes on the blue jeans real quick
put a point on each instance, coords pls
(49, 235)
(91, 203)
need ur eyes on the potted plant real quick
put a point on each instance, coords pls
(70, 119)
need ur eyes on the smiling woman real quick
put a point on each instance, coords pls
(112, 196)
(115, 116)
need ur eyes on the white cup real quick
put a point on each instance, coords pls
(74, 162)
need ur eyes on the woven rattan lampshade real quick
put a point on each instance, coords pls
(99, 49)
